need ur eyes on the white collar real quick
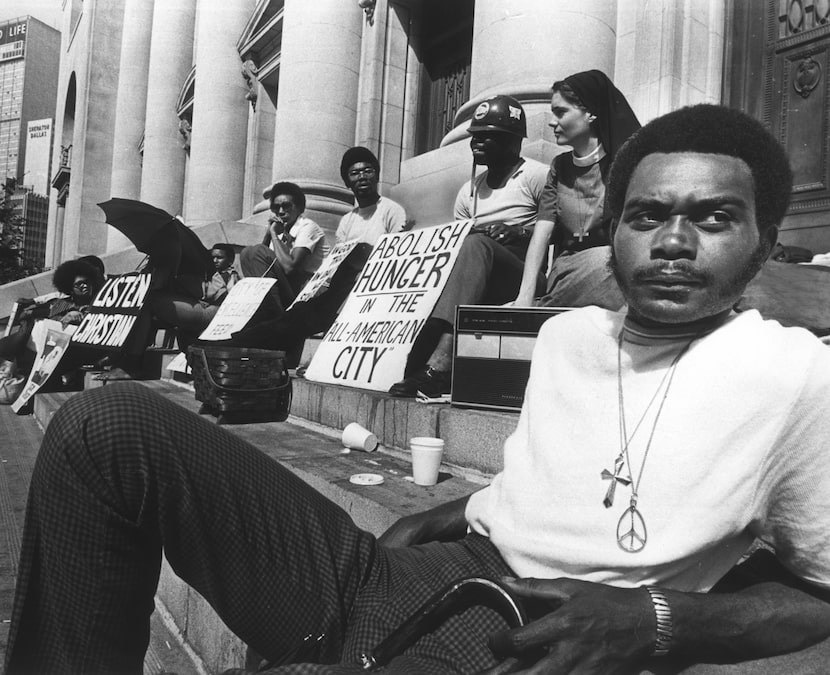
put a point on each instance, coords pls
(591, 158)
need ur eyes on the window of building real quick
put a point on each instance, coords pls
(445, 48)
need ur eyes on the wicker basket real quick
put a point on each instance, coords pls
(240, 384)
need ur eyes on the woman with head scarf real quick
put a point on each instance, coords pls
(592, 117)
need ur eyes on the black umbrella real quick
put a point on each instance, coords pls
(173, 248)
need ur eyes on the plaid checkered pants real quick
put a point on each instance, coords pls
(123, 473)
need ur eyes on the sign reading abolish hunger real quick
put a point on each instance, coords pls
(238, 307)
(114, 311)
(322, 277)
(393, 296)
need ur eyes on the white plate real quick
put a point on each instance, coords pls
(366, 479)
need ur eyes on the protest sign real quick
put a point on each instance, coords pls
(49, 354)
(238, 307)
(113, 313)
(18, 308)
(391, 299)
(14, 315)
(322, 276)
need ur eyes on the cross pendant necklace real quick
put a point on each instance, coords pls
(632, 534)
(615, 478)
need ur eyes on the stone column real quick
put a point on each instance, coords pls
(317, 100)
(129, 108)
(216, 174)
(511, 40)
(171, 59)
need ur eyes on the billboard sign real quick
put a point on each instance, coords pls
(12, 39)
(38, 152)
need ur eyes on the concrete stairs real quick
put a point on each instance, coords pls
(308, 444)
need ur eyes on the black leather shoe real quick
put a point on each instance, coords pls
(432, 383)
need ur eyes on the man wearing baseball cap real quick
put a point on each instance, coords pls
(503, 201)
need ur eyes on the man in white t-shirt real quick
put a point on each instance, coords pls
(374, 215)
(504, 202)
(293, 246)
(653, 447)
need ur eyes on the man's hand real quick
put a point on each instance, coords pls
(582, 627)
(500, 232)
(275, 226)
(72, 318)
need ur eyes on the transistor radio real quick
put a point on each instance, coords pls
(492, 350)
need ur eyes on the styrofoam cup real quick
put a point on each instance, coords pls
(426, 459)
(358, 438)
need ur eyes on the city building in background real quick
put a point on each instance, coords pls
(29, 64)
(34, 209)
(197, 106)
(29, 59)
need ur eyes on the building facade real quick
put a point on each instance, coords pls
(214, 100)
(29, 58)
(34, 209)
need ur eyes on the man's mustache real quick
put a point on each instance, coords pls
(682, 269)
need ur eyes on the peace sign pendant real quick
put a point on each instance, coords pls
(631, 531)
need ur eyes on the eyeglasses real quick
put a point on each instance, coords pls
(365, 171)
(81, 284)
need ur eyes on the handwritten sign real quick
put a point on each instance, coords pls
(114, 311)
(322, 277)
(238, 307)
(391, 299)
(50, 351)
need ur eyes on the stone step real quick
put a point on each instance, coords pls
(473, 438)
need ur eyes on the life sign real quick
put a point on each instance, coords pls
(391, 299)
(114, 311)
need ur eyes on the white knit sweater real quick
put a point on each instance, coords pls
(739, 451)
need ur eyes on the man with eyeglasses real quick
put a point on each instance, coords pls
(374, 215)
(293, 246)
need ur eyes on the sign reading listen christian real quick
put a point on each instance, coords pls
(114, 311)
(392, 297)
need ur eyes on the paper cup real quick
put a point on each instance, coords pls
(426, 459)
(356, 437)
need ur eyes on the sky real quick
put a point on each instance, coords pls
(48, 11)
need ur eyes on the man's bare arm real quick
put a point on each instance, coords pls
(443, 523)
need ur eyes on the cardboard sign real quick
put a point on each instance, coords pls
(18, 309)
(322, 277)
(393, 296)
(114, 311)
(51, 349)
(238, 307)
(14, 315)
